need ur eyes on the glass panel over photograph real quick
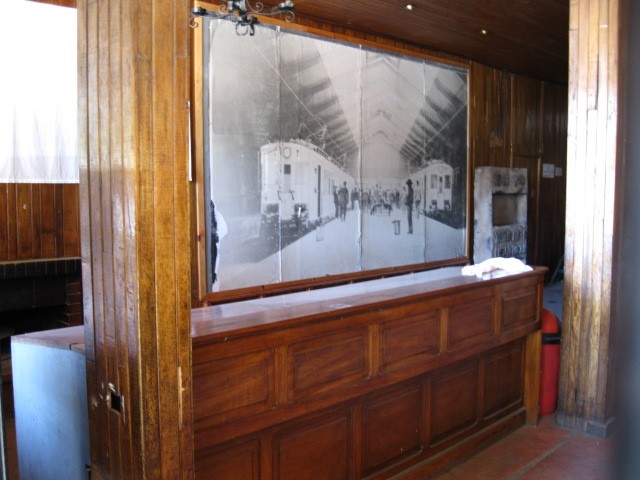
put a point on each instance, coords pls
(325, 158)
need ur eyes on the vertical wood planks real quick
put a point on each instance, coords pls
(48, 226)
(183, 234)
(24, 220)
(134, 75)
(593, 158)
(4, 221)
(553, 190)
(70, 220)
(39, 221)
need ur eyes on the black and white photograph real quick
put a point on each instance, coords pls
(324, 158)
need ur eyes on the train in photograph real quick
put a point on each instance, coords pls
(297, 183)
(435, 181)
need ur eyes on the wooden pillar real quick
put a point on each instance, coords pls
(585, 395)
(134, 58)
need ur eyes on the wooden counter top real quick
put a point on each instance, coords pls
(71, 338)
(254, 315)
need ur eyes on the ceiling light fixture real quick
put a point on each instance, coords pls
(409, 7)
(242, 13)
(483, 32)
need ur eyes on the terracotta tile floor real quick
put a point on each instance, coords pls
(533, 453)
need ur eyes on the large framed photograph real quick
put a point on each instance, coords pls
(327, 160)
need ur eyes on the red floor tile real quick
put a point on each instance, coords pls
(582, 458)
(545, 452)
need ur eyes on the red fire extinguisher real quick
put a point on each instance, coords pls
(550, 363)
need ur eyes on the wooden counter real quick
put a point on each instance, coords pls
(379, 379)
(391, 377)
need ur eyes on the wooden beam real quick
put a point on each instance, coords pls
(585, 401)
(133, 89)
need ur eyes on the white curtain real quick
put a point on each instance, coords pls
(38, 93)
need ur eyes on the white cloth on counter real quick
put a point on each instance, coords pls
(509, 265)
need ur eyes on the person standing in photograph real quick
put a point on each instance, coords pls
(218, 231)
(343, 198)
(409, 203)
(336, 200)
(355, 197)
(418, 197)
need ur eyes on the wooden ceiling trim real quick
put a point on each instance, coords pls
(318, 27)
(523, 37)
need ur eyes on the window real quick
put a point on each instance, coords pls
(38, 93)
(434, 181)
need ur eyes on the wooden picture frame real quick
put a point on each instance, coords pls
(303, 81)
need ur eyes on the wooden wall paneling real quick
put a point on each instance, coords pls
(36, 221)
(24, 211)
(489, 116)
(48, 220)
(107, 163)
(411, 340)
(92, 263)
(164, 123)
(584, 399)
(454, 401)
(135, 230)
(526, 102)
(4, 222)
(470, 323)
(39, 221)
(321, 449)
(12, 207)
(182, 232)
(553, 190)
(235, 461)
(392, 427)
(503, 380)
(417, 407)
(58, 194)
(519, 305)
(230, 388)
(197, 187)
(322, 364)
(71, 220)
(526, 150)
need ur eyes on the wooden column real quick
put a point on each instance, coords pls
(134, 78)
(585, 395)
